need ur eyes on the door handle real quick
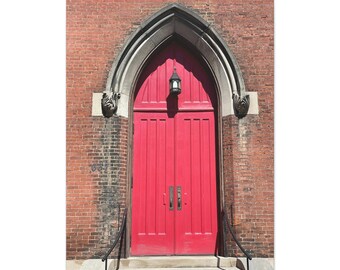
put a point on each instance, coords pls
(179, 198)
(171, 198)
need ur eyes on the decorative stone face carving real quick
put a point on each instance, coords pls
(109, 103)
(241, 105)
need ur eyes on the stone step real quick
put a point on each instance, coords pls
(178, 262)
(187, 268)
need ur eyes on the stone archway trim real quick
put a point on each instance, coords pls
(176, 20)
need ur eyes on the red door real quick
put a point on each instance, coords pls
(174, 203)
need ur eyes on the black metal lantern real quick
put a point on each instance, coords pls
(175, 83)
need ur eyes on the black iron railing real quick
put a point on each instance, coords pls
(118, 237)
(226, 223)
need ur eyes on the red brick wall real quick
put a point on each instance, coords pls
(97, 147)
(249, 186)
(96, 183)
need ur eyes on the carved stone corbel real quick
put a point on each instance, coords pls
(241, 105)
(109, 103)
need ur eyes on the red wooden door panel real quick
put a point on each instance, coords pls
(196, 222)
(174, 147)
(152, 221)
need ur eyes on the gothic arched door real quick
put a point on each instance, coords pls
(174, 201)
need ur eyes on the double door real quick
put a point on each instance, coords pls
(174, 204)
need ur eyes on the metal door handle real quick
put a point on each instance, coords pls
(171, 195)
(179, 198)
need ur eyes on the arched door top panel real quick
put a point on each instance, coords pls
(176, 20)
(197, 88)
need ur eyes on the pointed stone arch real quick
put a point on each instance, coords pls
(176, 20)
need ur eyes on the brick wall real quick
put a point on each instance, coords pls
(249, 187)
(96, 183)
(97, 148)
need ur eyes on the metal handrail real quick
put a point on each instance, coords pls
(119, 235)
(248, 256)
(122, 228)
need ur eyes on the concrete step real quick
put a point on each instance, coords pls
(191, 268)
(178, 262)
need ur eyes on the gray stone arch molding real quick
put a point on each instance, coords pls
(175, 20)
